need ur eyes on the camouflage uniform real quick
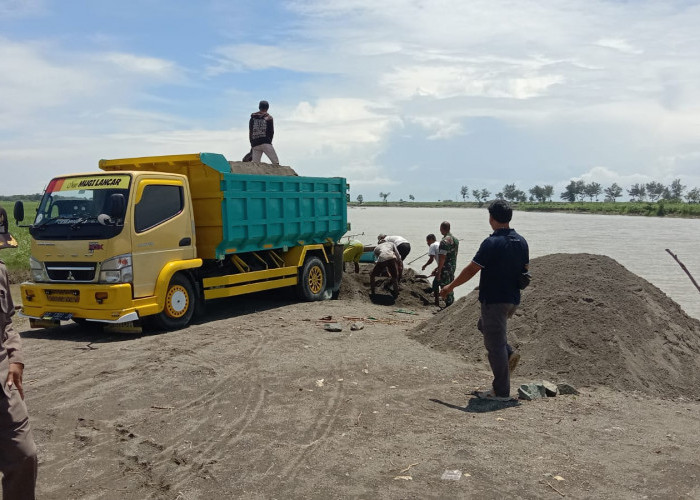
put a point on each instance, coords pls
(449, 245)
(18, 460)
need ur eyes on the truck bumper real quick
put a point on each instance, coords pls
(102, 303)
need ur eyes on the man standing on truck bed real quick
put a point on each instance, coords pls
(261, 129)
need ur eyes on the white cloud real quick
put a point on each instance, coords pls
(329, 111)
(336, 137)
(337, 125)
(147, 66)
(374, 182)
(29, 81)
(364, 89)
(618, 44)
(80, 153)
(441, 128)
(443, 82)
(20, 8)
(606, 176)
(251, 57)
(40, 81)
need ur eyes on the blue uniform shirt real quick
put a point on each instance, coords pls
(502, 257)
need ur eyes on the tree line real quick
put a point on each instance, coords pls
(651, 191)
(22, 197)
(592, 191)
(580, 191)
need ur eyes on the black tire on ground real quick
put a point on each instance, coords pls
(80, 321)
(313, 279)
(180, 304)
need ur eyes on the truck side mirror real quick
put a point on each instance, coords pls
(19, 212)
(117, 206)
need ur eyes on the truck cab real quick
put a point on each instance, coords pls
(99, 253)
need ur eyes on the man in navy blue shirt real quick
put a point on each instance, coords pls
(501, 258)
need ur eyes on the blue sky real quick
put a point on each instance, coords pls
(411, 97)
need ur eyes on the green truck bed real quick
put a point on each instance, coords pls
(237, 213)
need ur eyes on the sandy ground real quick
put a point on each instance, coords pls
(258, 401)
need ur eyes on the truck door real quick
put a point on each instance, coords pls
(162, 230)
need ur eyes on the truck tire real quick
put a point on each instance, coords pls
(180, 304)
(313, 279)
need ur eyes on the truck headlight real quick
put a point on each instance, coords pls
(37, 271)
(117, 270)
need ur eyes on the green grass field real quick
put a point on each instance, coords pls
(649, 209)
(17, 259)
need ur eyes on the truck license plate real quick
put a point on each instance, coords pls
(57, 316)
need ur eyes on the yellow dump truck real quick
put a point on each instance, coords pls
(155, 237)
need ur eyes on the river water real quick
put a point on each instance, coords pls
(638, 243)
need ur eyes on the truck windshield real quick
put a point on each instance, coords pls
(71, 206)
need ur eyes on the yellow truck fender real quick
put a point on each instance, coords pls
(295, 256)
(166, 275)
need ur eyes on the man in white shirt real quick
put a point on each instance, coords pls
(401, 243)
(387, 258)
(433, 256)
(433, 248)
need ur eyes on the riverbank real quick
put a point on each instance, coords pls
(647, 209)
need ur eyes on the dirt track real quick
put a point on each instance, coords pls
(260, 401)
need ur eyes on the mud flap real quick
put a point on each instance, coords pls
(43, 323)
(335, 269)
(128, 327)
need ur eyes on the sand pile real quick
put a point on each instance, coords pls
(415, 290)
(587, 320)
(260, 168)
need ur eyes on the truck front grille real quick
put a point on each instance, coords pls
(62, 295)
(71, 271)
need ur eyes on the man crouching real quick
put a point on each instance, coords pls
(387, 257)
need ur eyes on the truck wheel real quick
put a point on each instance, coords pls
(180, 304)
(312, 283)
